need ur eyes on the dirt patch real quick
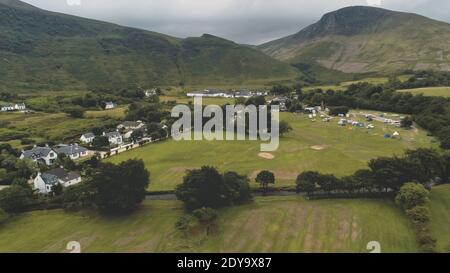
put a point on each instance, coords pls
(319, 147)
(266, 155)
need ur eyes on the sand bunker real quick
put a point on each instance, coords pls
(319, 147)
(266, 155)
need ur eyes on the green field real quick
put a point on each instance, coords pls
(116, 113)
(46, 126)
(430, 91)
(275, 224)
(340, 152)
(440, 209)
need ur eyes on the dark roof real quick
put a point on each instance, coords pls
(37, 152)
(53, 176)
(70, 149)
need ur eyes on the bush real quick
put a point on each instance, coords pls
(426, 242)
(15, 199)
(419, 215)
(412, 195)
(208, 188)
(339, 110)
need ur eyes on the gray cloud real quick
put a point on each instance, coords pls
(244, 21)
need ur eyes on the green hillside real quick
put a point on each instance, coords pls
(440, 209)
(47, 50)
(367, 39)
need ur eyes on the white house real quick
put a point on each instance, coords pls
(73, 151)
(44, 155)
(20, 106)
(44, 182)
(110, 105)
(114, 138)
(211, 93)
(150, 92)
(87, 138)
(131, 125)
(7, 107)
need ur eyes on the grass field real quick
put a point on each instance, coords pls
(275, 224)
(430, 91)
(340, 151)
(46, 126)
(116, 113)
(440, 211)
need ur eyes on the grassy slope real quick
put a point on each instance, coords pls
(44, 50)
(347, 151)
(276, 224)
(430, 91)
(440, 224)
(375, 41)
(49, 126)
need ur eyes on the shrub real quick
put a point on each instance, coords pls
(419, 214)
(412, 195)
(15, 199)
(3, 216)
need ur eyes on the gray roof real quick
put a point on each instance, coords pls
(37, 152)
(113, 134)
(21, 104)
(52, 177)
(89, 135)
(70, 149)
(130, 124)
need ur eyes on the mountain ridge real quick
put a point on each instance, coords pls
(46, 50)
(367, 39)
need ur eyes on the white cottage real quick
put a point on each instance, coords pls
(44, 182)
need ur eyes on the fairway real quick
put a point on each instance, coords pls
(440, 220)
(275, 224)
(341, 152)
(430, 91)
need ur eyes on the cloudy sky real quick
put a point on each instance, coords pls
(243, 21)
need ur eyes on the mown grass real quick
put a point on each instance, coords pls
(440, 220)
(345, 151)
(275, 224)
(430, 91)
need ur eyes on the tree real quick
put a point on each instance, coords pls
(238, 187)
(280, 90)
(137, 135)
(206, 187)
(22, 182)
(100, 142)
(15, 199)
(75, 112)
(339, 110)
(257, 101)
(428, 164)
(57, 189)
(306, 182)
(327, 183)
(284, 127)
(78, 196)
(207, 217)
(264, 178)
(412, 195)
(25, 168)
(419, 215)
(120, 188)
(407, 122)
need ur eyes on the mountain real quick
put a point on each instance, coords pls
(46, 50)
(366, 39)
